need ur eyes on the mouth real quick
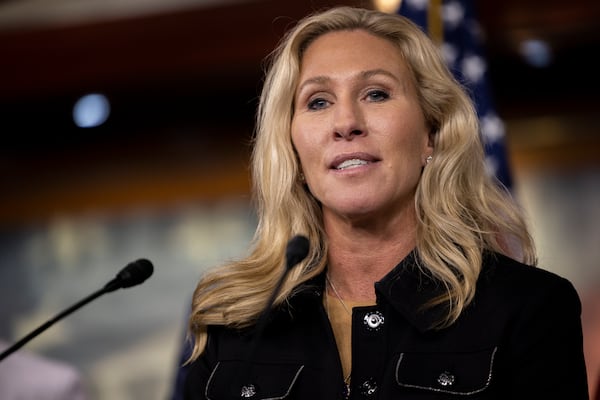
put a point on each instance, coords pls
(349, 161)
(353, 163)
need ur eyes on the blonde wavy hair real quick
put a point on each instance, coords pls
(461, 210)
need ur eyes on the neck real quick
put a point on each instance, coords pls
(358, 257)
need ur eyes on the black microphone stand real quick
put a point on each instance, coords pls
(133, 274)
(51, 322)
(296, 251)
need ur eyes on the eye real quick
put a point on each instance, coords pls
(377, 95)
(317, 104)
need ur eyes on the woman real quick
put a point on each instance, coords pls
(416, 284)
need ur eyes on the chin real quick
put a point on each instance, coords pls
(356, 210)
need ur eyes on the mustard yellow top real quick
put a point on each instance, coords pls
(341, 323)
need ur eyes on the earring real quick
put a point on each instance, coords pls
(428, 159)
(302, 177)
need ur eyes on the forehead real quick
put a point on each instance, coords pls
(351, 48)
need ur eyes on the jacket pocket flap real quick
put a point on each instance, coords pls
(453, 373)
(232, 380)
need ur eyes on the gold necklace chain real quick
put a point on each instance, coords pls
(347, 377)
(338, 295)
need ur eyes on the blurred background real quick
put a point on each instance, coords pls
(126, 128)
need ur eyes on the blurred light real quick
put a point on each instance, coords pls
(91, 110)
(388, 6)
(536, 53)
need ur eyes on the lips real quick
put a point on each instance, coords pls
(352, 160)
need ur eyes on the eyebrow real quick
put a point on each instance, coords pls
(378, 71)
(363, 75)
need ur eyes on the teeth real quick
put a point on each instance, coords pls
(355, 162)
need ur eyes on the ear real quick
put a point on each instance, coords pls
(428, 151)
(431, 139)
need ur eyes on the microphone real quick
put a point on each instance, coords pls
(132, 274)
(296, 251)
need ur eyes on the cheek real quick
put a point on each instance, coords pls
(413, 136)
(297, 140)
(303, 141)
(404, 137)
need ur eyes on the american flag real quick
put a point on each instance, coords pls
(453, 23)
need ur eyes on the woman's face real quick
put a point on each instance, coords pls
(357, 126)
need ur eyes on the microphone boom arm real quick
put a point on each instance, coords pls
(50, 322)
(132, 274)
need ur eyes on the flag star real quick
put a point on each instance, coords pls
(418, 4)
(450, 53)
(473, 68)
(492, 128)
(453, 14)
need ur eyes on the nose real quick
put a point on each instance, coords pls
(349, 120)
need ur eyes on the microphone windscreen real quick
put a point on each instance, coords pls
(296, 251)
(135, 273)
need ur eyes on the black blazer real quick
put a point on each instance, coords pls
(520, 338)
